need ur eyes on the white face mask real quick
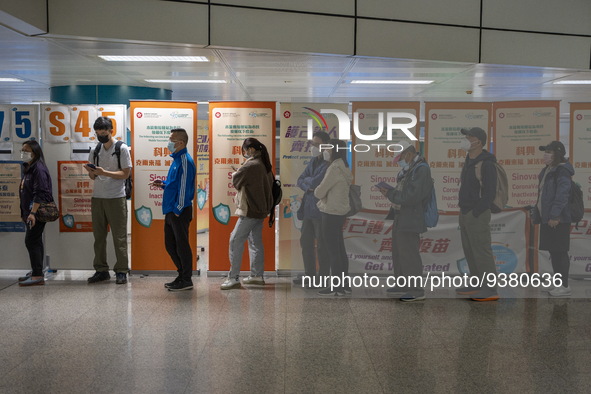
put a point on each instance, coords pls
(548, 158)
(465, 144)
(26, 156)
(315, 151)
(326, 155)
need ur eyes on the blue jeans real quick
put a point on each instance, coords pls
(252, 230)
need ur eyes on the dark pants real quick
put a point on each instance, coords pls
(406, 260)
(561, 265)
(176, 240)
(332, 235)
(34, 244)
(313, 246)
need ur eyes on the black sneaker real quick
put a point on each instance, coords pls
(175, 281)
(27, 276)
(181, 285)
(99, 277)
(120, 278)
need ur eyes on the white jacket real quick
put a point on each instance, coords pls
(333, 191)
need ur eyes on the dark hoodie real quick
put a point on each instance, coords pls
(474, 197)
(555, 192)
(35, 186)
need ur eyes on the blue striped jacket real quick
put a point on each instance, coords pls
(179, 187)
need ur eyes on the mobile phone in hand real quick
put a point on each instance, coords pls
(90, 165)
(29, 224)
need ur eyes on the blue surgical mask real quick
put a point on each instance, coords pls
(402, 163)
(171, 146)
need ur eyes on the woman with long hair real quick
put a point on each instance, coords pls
(552, 211)
(254, 201)
(35, 188)
(333, 195)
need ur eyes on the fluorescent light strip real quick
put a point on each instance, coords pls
(394, 82)
(154, 58)
(11, 80)
(573, 82)
(185, 80)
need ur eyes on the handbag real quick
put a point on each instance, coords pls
(47, 212)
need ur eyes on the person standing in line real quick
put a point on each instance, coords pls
(475, 201)
(35, 188)
(311, 236)
(109, 204)
(177, 207)
(333, 195)
(254, 200)
(552, 211)
(413, 187)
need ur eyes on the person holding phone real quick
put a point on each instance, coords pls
(35, 188)
(177, 207)
(108, 204)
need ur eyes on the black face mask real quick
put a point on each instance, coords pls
(103, 139)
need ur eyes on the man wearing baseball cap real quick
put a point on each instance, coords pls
(413, 186)
(475, 200)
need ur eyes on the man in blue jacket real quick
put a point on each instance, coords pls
(177, 206)
(310, 239)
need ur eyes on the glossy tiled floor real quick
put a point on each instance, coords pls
(68, 336)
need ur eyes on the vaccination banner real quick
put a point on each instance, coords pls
(519, 128)
(580, 147)
(230, 123)
(151, 122)
(294, 156)
(373, 148)
(443, 122)
(74, 194)
(73, 123)
(10, 213)
(368, 240)
(202, 163)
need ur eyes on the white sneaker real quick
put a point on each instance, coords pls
(231, 284)
(560, 292)
(254, 280)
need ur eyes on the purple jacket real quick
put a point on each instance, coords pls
(35, 187)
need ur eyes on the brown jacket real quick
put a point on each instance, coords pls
(253, 184)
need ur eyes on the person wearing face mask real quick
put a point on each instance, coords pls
(35, 188)
(475, 199)
(552, 211)
(254, 200)
(108, 204)
(333, 203)
(413, 186)
(311, 236)
(177, 207)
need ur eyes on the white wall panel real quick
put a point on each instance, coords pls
(531, 49)
(337, 7)
(25, 16)
(567, 16)
(455, 12)
(235, 27)
(417, 41)
(138, 20)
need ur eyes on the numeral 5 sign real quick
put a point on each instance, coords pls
(74, 123)
(19, 123)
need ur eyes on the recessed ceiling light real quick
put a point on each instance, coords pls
(154, 58)
(395, 82)
(573, 82)
(185, 80)
(11, 80)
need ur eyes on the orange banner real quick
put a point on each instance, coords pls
(519, 128)
(229, 124)
(151, 122)
(74, 193)
(580, 146)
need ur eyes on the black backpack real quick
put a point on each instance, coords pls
(128, 181)
(277, 196)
